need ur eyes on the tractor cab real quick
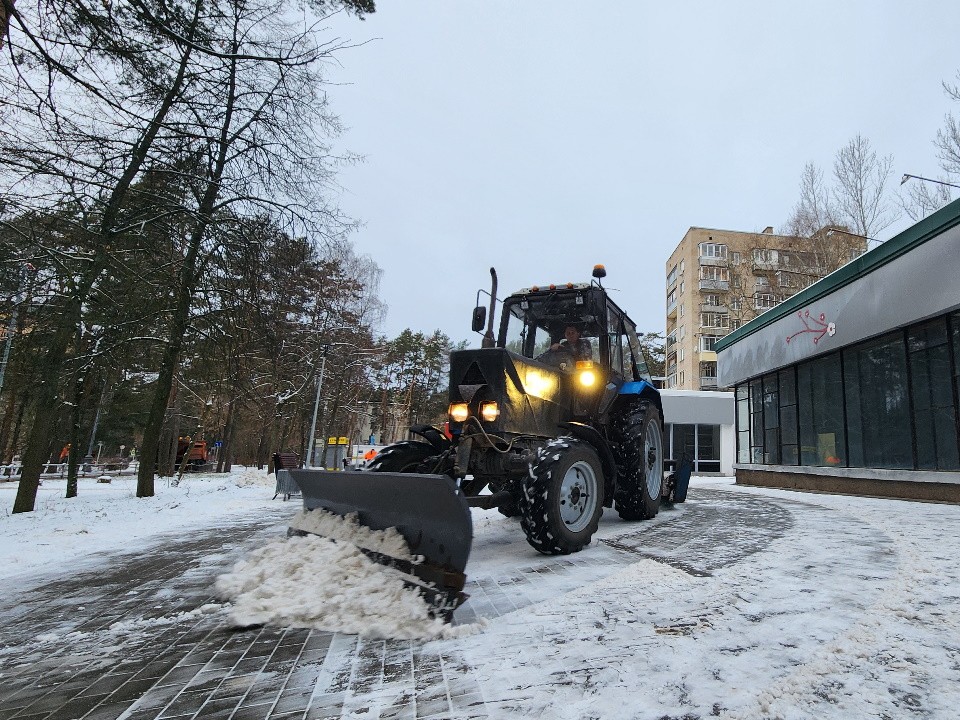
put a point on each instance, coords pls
(534, 320)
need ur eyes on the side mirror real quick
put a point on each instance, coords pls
(479, 318)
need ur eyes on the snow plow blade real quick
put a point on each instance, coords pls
(429, 511)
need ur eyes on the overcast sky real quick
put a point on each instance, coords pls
(542, 138)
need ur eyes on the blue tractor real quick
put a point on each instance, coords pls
(551, 420)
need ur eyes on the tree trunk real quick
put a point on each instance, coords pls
(38, 444)
(17, 424)
(75, 438)
(167, 451)
(185, 288)
(6, 424)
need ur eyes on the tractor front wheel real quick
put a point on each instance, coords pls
(402, 457)
(640, 461)
(563, 497)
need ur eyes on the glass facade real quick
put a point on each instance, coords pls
(890, 402)
(700, 443)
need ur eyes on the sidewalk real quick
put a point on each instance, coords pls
(738, 604)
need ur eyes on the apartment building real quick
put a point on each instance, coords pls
(717, 280)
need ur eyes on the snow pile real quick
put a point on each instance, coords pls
(318, 583)
(348, 529)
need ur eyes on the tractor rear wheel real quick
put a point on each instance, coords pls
(640, 462)
(563, 497)
(402, 457)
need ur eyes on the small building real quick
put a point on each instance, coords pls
(700, 425)
(851, 385)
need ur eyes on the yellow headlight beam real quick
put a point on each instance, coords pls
(585, 373)
(459, 412)
(489, 410)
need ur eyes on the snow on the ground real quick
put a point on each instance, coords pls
(852, 611)
(109, 517)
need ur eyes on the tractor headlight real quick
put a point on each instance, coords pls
(459, 411)
(489, 410)
(586, 373)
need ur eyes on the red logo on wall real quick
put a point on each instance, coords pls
(816, 326)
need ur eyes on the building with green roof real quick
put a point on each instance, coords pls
(852, 384)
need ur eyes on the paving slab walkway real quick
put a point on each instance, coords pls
(132, 638)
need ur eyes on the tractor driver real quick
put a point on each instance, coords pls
(572, 344)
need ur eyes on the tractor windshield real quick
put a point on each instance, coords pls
(533, 324)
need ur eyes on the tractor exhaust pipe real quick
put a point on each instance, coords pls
(488, 339)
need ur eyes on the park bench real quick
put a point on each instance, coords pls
(283, 463)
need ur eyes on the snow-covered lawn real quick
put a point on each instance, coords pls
(108, 517)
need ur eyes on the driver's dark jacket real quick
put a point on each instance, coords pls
(581, 350)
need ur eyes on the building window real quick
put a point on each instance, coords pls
(736, 304)
(761, 282)
(680, 355)
(743, 423)
(763, 255)
(699, 443)
(681, 309)
(764, 301)
(820, 408)
(713, 251)
(681, 287)
(682, 333)
(756, 421)
(710, 299)
(681, 267)
(708, 343)
(878, 403)
(672, 276)
(934, 415)
(771, 420)
(714, 320)
(680, 375)
(712, 272)
(955, 342)
(735, 324)
(789, 432)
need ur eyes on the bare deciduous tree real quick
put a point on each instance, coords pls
(948, 138)
(860, 193)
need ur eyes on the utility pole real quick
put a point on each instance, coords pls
(312, 448)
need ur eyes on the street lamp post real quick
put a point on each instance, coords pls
(853, 234)
(907, 176)
(312, 452)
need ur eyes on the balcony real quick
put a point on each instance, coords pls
(713, 308)
(713, 261)
(671, 308)
(708, 382)
(722, 285)
(708, 356)
(766, 265)
(714, 331)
